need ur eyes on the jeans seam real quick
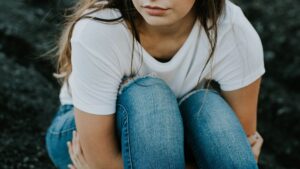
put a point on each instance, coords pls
(127, 133)
(61, 132)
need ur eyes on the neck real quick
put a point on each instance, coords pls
(179, 29)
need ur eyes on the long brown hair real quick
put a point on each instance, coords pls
(208, 12)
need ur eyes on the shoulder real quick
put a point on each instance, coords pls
(101, 40)
(233, 20)
(232, 14)
(236, 31)
(88, 30)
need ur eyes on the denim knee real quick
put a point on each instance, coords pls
(211, 106)
(214, 132)
(148, 112)
(204, 100)
(145, 89)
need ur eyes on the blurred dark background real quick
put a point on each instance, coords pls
(29, 92)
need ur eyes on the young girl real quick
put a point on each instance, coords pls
(136, 86)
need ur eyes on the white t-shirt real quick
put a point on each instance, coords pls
(101, 55)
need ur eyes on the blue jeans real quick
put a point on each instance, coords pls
(156, 130)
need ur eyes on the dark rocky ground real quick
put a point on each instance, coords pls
(29, 94)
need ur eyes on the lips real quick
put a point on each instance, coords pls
(155, 7)
(155, 10)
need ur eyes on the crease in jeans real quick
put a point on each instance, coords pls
(192, 92)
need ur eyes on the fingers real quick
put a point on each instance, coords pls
(76, 153)
(256, 142)
(252, 139)
(257, 146)
(73, 151)
(70, 166)
(78, 150)
(75, 143)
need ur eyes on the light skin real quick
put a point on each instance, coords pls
(171, 31)
(244, 103)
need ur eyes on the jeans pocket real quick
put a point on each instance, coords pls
(63, 123)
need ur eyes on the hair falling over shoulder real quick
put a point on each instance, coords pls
(208, 12)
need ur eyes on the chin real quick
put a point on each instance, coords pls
(156, 21)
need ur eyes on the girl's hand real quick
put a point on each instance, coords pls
(76, 153)
(256, 142)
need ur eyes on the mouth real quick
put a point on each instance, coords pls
(155, 7)
(155, 10)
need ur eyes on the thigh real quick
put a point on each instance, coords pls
(214, 132)
(149, 125)
(59, 132)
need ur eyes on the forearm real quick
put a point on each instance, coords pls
(102, 153)
(116, 163)
(249, 122)
(244, 102)
(98, 140)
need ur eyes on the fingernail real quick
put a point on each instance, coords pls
(70, 166)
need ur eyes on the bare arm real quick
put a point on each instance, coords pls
(98, 140)
(244, 103)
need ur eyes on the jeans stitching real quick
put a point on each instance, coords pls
(62, 132)
(127, 134)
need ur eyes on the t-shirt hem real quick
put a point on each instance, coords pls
(245, 82)
(62, 102)
(95, 109)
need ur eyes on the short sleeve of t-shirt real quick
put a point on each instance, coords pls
(243, 58)
(96, 72)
